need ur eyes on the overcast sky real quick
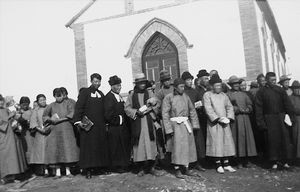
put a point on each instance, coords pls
(37, 51)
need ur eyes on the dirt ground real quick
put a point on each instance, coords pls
(244, 180)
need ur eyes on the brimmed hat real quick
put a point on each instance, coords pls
(233, 80)
(114, 80)
(164, 75)
(178, 81)
(215, 79)
(202, 73)
(186, 75)
(283, 78)
(295, 85)
(140, 78)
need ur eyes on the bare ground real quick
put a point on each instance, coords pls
(244, 180)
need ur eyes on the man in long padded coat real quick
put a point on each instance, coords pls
(93, 143)
(142, 126)
(180, 119)
(118, 134)
(272, 105)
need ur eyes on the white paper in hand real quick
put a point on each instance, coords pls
(143, 108)
(287, 120)
(198, 104)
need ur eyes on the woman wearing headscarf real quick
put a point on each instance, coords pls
(219, 141)
(61, 148)
(12, 155)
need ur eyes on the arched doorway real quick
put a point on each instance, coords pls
(160, 54)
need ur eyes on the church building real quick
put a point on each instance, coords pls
(126, 37)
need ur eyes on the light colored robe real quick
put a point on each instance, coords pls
(241, 129)
(219, 141)
(12, 155)
(183, 144)
(146, 149)
(37, 155)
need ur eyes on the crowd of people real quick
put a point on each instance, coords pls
(181, 125)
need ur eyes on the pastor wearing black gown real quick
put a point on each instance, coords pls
(93, 143)
(118, 132)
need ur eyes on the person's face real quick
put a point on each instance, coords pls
(42, 102)
(24, 106)
(154, 86)
(35, 105)
(141, 86)
(180, 88)
(236, 87)
(262, 81)
(64, 95)
(59, 98)
(167, 84)
(243, 86)
(1, 104)
(213, 72)
(286, 84)
(272, 80)
(189, 82)
(204, 81)
(116, 88)
(96, 83)
(217, 87)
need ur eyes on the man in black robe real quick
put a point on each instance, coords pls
(198, 134)
(201, 88)
(272, 104)
(118, 134)
(93, 143)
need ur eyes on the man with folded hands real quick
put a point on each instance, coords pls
(118, 133)
(180, 119)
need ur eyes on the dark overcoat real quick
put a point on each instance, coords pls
(118, 132)
(272, 104)
(94, 143)
(198, 134)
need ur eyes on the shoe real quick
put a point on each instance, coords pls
(190, 173)
(141, 173)
(200, 168)
(178, 174)
(88, 175)
(155, 172)
(230, 169)
(220, 170)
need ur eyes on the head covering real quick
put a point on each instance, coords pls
(259, 76)
(140, 78)
(178, 81)
(295, 85)
(114, 80)
(215, 79)
(186, 75)
(24, 99)
(2, 98)
(254, 84)
(202, 73)
(233, 80)
(283, 78)
(164, 75)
